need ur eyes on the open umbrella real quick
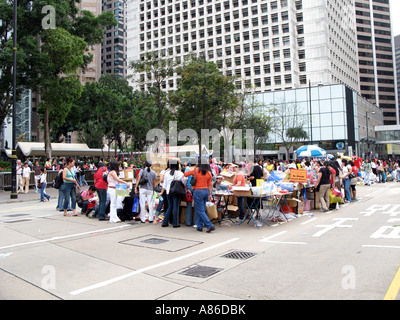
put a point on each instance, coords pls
(310, 151)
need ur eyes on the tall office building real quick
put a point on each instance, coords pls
(113, 50)
(375, 51)
(268, 44)
(397, 57)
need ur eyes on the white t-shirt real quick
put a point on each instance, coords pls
(26, 172)
(43, 177)
(178, 175)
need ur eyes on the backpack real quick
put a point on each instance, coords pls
(58, 181)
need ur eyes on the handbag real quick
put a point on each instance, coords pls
(105, 175)
(188, 196)
(177, 189)
(193, 180)
(158, 188)
(143, 179)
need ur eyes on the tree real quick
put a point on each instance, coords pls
(254, 116)
(65, 54)
(38, 65)
(158, 69)
(106, 111)
(288, 124)
(205, 97)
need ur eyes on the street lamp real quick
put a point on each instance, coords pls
(14, 194)
(366, 117)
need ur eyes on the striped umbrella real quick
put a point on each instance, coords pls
(310, 151)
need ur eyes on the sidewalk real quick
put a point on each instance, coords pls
(30, 196)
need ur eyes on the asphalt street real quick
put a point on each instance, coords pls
(348, 254)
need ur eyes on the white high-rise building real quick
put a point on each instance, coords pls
(268, 44)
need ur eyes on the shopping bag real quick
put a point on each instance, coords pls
(334, 199)
(135, 207)
(336, 192)
(306, 205)
(211, 211)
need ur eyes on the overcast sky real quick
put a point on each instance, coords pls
(395, 10)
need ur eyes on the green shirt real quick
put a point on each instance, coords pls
(367, 167)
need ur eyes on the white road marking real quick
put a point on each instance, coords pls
(128, 275)
(387, 232)
(308, 221)
(337, 224)
(268, 239)
(378, 246)
(63, 237)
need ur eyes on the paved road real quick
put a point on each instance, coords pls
(347, 254)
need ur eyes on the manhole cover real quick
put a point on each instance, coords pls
(154, 241)
(239, 255)
(201, 271)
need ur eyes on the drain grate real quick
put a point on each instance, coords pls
(154, 241)
(239, 255)
(201, 271)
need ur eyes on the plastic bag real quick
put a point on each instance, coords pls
(268, 187)
(335, 199)
(277, 176)
(122, 190)
(135, 207)
(286, 186)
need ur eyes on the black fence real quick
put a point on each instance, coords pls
(5, 179)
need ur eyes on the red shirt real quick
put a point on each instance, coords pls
(239, 178)
(99, 182)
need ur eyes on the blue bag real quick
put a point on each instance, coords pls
(135, 207)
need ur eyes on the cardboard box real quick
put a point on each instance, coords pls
(228, 176)
(293, 202)
(241, 191)
(128, 175)
(300, 208)
(233, 211)
(182, 214)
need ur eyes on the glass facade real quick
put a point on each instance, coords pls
(330, 109)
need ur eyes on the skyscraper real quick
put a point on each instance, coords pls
(375, 52)
(269, 45)
(113, 51)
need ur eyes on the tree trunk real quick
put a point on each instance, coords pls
(47, 142)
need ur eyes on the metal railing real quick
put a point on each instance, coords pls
(5, 179)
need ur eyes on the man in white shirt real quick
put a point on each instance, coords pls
(19, 177)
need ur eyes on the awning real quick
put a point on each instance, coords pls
(36, 149)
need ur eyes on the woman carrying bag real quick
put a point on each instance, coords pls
(146, 180)
(115, 201)
(202, 189)
(42, 185)
(173, 177)
(69, 187)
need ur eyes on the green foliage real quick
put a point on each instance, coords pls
(205, 97)
(45, 54)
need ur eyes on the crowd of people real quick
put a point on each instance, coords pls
(102, 201)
